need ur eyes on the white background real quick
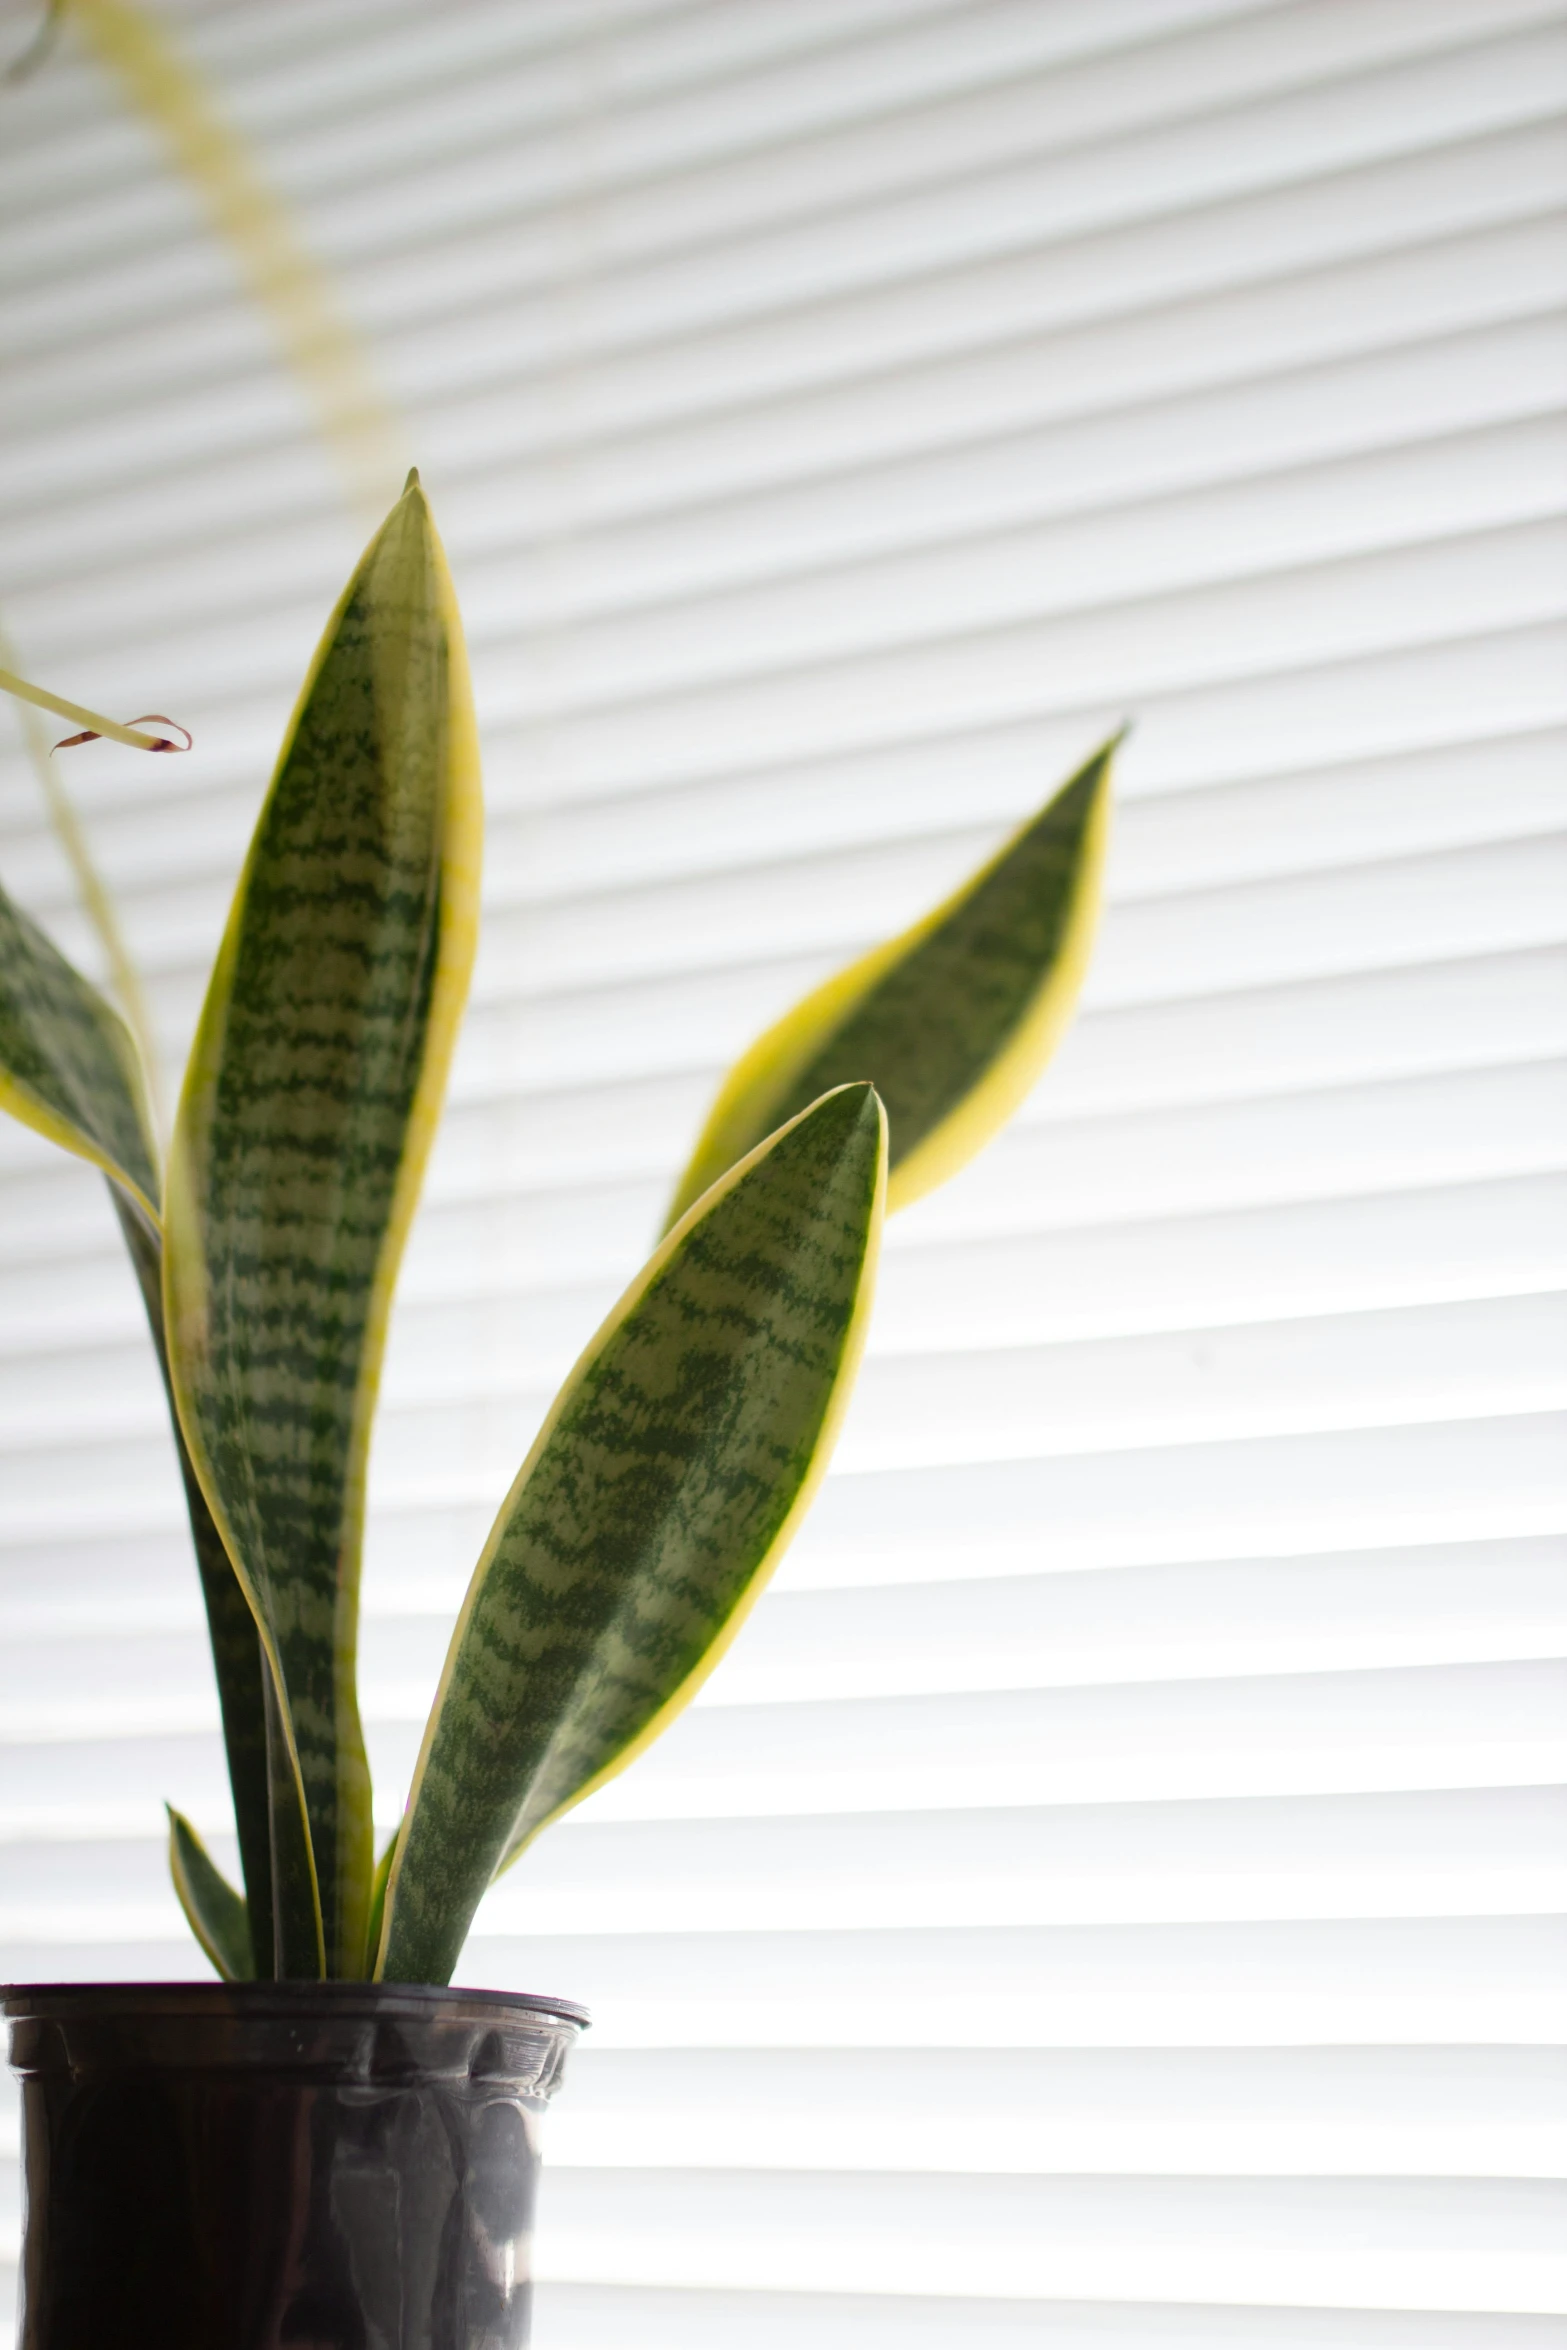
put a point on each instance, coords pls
(1113, 1893)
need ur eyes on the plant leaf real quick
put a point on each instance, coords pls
(383, 1873)
(298, 1946)
(238, 1663)
(952, 1021)
(215, 1913)
(673, 1468)
(96, 901)
(68, 1067)
(306, 1118)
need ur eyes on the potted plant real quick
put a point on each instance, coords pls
(330, 2145)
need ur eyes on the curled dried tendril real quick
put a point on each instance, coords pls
(156, 742)
(93, 722)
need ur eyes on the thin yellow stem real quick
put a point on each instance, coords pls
(289, 284)
(38, 48)
(359, 425)
(91, 886)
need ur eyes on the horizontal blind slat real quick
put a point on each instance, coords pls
(601, 2317)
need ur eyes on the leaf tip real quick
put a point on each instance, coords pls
(1100, 762)
(851, 1105)
(850, 1121)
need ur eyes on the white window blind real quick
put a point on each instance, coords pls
(1114, 1891)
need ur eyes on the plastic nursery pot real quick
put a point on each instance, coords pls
(280, 2166)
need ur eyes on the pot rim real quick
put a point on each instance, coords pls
(21, 2000)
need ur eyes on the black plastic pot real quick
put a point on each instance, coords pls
(280, 2166)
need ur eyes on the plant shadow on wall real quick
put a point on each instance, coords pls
(682, 1451)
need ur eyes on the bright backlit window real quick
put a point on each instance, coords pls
(1113, 1892)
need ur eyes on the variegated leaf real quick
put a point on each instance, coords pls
(306, 1118)
(952, 1021)
(68, 1067)
(239, 1664)
(215, 1913)
(674, 1466)
(377, 1918)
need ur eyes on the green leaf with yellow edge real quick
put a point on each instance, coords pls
(674, 1466)
(382, 1878)
(952, 1021)
(307, 1115)
(298, 1950)
(68, 1067)
(215, 1913)
(238, 1663)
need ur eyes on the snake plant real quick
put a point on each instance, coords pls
(683, 1449)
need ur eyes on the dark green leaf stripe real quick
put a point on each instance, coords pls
(952, 1021)
(306, 1117)
(67, 1064)
(673, 1467)
(214, 1912)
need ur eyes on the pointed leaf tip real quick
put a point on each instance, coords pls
(953, 1019)
(215, 1913)
(413, 482)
